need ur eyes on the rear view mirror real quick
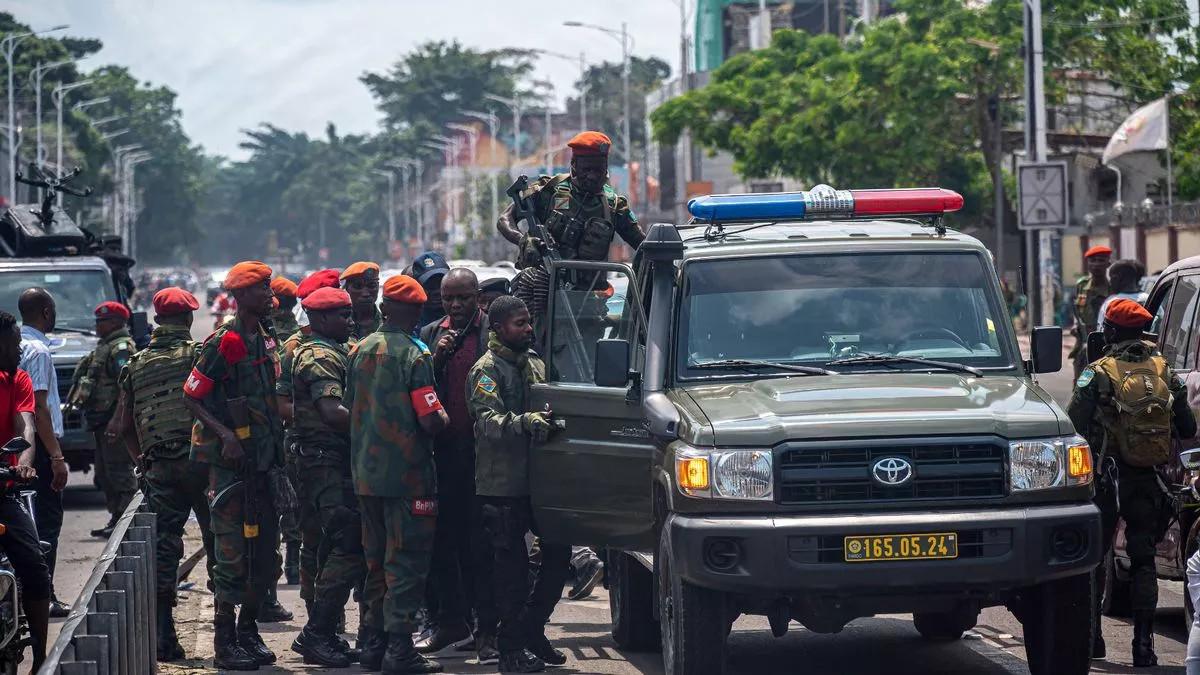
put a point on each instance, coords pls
(16, 445)
(612, 363)
(1190, 459)
(1046, 349)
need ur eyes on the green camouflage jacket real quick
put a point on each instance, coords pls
(498, 394)
(94, 386)
(319, 371)
(390, 381)
(583, 224)
(237, 361)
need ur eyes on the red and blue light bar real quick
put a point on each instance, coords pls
(825, 202)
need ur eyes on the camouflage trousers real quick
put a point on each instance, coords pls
(114, 474)
(289, 523)
(329, 495)
(243, 568)
(398, 545)
(309, 529)
(174, 489)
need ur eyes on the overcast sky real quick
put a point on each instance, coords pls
(296, 63)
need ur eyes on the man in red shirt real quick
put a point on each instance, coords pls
(20, 541)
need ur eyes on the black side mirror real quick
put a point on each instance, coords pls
(1045, 346)
(16, 446)
(612, 363)
(139, 329)
(1095, 346)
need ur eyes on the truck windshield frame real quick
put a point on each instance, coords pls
(76, 291)
(812, 308)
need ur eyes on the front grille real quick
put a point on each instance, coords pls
(64, 373)
(841, 472)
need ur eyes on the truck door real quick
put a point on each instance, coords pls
(590, 482)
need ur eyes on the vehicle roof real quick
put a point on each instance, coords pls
(1185, 264)
(747, 238)
(85, 262)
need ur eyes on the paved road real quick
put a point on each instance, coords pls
(880, 644)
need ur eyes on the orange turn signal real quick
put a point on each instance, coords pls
(3, 529)
(1079, 461)
(692, 472)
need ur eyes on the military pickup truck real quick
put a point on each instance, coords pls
(813, 407)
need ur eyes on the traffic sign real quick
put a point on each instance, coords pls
(1042, 187)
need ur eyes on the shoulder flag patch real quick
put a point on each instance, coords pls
(486, 384)
(1085, 378)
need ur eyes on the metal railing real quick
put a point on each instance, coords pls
(111, 627)
(1183, 214)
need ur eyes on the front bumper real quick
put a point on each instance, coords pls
(1000, 549)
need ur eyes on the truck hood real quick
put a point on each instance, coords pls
(67, 349)
(769, 411)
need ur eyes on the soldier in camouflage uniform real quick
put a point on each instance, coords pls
(394, 415)
(499, 388)
(238, 435)
(94, 391)
(156, 429)
(1090, 293)
(361, 281)
(283, 319)
(1108, 413)
(321, 429)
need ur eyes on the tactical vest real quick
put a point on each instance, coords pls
(581, 232)
(1138, 425)
(95, 388)
(163, 422)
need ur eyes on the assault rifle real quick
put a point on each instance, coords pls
(523, 210)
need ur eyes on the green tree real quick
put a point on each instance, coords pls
(603, 85)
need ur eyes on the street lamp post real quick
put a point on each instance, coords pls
(9, 46)
(513, 104)
(391, 208)
(582, 61)
(492, 122)
(129, 231)
(36, 79)
(626, 41)
(473, 137)
(118, 156)
(59, 93)
(446, 146)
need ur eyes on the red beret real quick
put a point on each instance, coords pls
(322, 279)
(324, 299)
(283, 286)
(246, 274)
(111, 310)
(173, 300)
(590, 143)
(1098, 250)
(359, 268)
(1127, 314)
(403, 288)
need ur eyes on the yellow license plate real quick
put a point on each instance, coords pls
(879, 547)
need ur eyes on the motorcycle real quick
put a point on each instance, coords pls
(14, 629)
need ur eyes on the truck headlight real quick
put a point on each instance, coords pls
(725, 474)
(1040, 464)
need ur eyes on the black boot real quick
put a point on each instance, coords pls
(1143, 639)
(317, 643)
(250, 640)
(1099, 651)
(291, 563)
(521, 661)
(402, 658)
(271, 611)
(227, 654)
(168, 648)
(540, 647)
(443, 636)
(374, 644)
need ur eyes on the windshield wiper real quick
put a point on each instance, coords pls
(72, 329)
(884, 359)
(749, 364)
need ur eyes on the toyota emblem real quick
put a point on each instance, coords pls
(892, 471)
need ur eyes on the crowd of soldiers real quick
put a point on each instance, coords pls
(373, 441)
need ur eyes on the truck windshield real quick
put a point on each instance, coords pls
(76, 292)
(814, 309)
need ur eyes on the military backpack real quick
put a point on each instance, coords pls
(1138, 426)
(163, 422)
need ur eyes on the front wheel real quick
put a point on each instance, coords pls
(1057, 622)
(631, 603)
(692, 621)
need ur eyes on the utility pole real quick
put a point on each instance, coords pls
(493, 123)
(1036, 151)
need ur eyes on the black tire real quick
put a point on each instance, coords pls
(1057, 622)
(631, 603)
(944, 626)
(692, 621)
(1116, 600)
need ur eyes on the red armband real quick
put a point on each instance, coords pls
(198, 385)
(425, 401)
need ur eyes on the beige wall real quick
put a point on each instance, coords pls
(1157, 251)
